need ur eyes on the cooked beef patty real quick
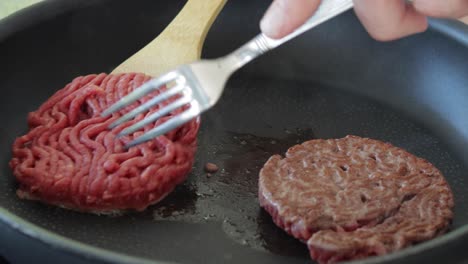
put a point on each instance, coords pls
(70, 158)
(355, 197)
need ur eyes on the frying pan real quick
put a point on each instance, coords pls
(328, 83)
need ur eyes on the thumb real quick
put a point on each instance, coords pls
(284, 16)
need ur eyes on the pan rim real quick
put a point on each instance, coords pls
(39, 12)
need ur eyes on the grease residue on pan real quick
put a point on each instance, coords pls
(73, 38)
(240, 157)
(222, 211)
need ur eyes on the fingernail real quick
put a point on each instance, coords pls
(272, 22)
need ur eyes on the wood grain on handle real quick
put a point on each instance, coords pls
(180, 43)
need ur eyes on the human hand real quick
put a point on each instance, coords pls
(384, 19)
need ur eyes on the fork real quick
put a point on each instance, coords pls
(200, 84)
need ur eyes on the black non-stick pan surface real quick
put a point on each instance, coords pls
(328, 83)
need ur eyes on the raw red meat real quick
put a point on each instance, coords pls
(354, 197)
(70, 159)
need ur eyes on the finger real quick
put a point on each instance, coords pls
(445, 8)
(389, 19)
(284, 16)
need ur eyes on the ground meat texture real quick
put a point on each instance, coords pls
(211, 167)
(354, 197)
(70, 158)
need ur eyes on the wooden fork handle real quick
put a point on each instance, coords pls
(194, 21)
(181, 41)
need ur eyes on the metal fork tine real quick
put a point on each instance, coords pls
(140, 92)
(146, 106)
(153, 117)
(204, 80)
(169, 125)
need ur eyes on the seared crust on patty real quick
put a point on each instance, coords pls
(355, 197)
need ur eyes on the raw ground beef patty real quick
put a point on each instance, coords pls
(70, 158)
(355, 197)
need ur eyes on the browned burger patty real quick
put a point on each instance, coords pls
(355, 197)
